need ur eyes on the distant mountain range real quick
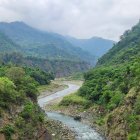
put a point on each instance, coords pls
(96, 46)
(42, 44)
(113, 86)
(62, 55)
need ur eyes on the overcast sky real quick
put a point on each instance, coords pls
(78, 18)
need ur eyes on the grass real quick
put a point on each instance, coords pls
(50, 87)
(74, 99)
(76, 76)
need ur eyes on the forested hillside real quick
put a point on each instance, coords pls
(20, 116)
(112, 89)
(10, 52)
(43, 44)
(6, 44)
(125, 50)
(96, 46)
(58, 67)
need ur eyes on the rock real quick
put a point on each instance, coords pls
(77, 118)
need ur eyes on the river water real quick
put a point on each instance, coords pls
(83, 131)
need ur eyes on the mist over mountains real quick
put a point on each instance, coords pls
(51, 48)
(96, 46)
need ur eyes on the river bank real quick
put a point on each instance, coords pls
(88, 116)
(57, 129)
(85, 116)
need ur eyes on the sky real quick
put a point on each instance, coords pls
(78, 18)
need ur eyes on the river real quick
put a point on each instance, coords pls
(83, 131)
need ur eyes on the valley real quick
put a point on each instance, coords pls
(81, 131)
(57, 87)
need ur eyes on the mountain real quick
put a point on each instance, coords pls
(95, 45)
(6, 44)
(125, 50)
(58, 67)
(113, 85)
(111, 91)
(43, 44)
(21, 117)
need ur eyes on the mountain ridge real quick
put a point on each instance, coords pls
(97, 46)
(31, 39)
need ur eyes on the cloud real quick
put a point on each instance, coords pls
(79, 18)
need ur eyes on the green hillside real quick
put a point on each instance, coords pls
(20, 115)
(96, 46)
(112, 89)
(58, 67)
(6, 44)
(125, 50)
(10, 52)
(114, 86)
(43, 44)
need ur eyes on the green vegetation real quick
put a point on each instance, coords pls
(113, 88)
(107, 86)
(58, 67)
(74, 100)
(8, 130)
(19, 112)
(42, 44)
(51, 87)
(26, 46)
(76, 76)
(6, 44)
(125, 50)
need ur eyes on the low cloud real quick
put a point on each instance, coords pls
(79, 18)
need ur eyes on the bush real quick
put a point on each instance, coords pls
(15, 74)
(74, 100)
(111, 106)
(28, 110)
(132, 137)
(8, 130)
(7, 92)
(137, 106)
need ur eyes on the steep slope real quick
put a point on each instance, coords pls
(7, 44)
(96, 46)
(43, 44)
(20, 115)
(53, 59)
(112, 89)
(127, 48)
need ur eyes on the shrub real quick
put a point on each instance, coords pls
(137, 106)
(8, 130)
(74, 100)
(27, 112)
(132, 137)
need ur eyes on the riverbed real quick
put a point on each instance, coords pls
(83, 131)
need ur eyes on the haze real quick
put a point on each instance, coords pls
(78, 18)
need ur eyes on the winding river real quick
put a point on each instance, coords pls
(83, 131)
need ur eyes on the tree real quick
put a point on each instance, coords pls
(15, 74)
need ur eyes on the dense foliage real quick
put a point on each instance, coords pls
(113, 86)
(6, 44)
(107, 86)
(58, 67)
(26, 46)
(18, 100)
(125, 49)
(96, 46)
(42, 44)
